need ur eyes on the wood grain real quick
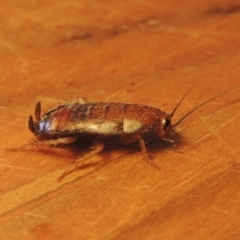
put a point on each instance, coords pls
(146, 52)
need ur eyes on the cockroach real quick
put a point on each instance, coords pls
(68, 122)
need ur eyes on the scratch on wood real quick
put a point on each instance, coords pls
(142, 187)
(224, 211)
(102, 178)
(21, 168)
(35, 215)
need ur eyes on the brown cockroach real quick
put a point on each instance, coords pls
(68, 122)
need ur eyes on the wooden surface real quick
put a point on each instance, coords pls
(146, 52)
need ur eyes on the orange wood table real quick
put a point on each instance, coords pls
(146, 52)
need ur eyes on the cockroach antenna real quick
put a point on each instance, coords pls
(202, 104)
(180, 101)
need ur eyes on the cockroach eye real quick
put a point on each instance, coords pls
(166, 123)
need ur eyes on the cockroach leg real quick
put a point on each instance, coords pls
(132, 138)
(46, 142)
(54, 142)
(144, 151)
(96, 147)
(168, 140)
(128, 139)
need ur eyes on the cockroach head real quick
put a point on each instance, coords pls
(33, 125)
(165, 126)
